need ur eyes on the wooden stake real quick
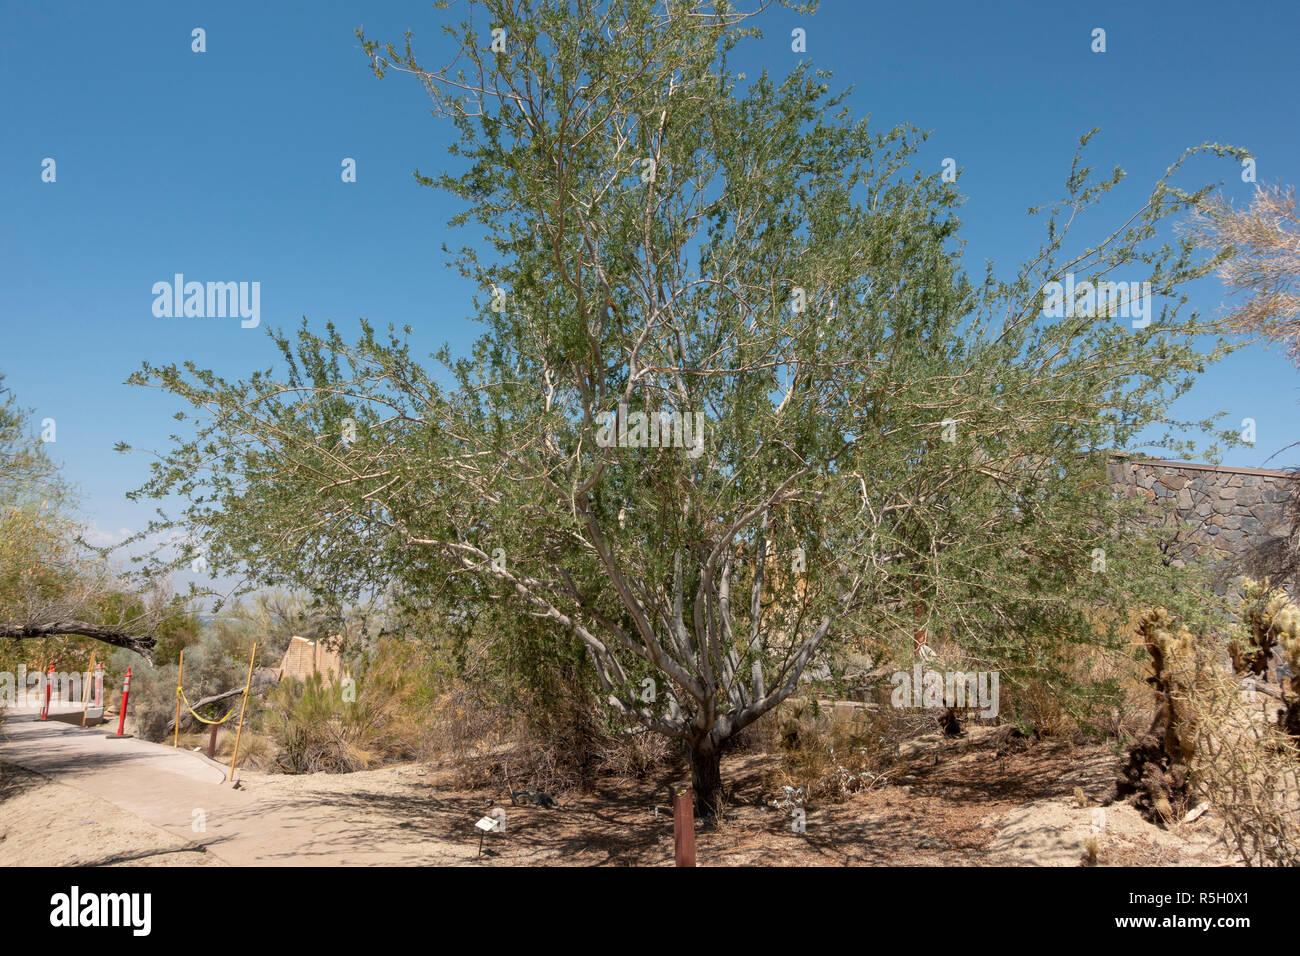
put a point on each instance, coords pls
(176, 736)
(85, 691)
(247, 684)
(684, 827)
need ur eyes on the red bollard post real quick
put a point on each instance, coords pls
(121, 717)
(49, 688)
(684, 827)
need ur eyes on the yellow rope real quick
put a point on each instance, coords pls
(181, 694)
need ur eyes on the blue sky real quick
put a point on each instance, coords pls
(225, 165)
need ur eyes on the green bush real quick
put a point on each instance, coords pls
(381, 715)
(212, 666)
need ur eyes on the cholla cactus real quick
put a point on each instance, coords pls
(1270, 619)
(1173, 665)
(1284, 618)
(1275, 620)
(1160, 761)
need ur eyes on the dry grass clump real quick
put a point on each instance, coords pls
(1248, 751)
(558, 750)
(315, 729)
(462, 727)
(1249, 770)
(256, 750)
(635, 755)
(1109, 695)
(383, 715)
(831, 753)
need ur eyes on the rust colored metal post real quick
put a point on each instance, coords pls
(212, 743)
(919, 612)
(684, 827)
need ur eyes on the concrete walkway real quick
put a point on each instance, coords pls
(272, 821)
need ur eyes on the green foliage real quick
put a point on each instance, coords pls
(212, 666)
(27, 475)
(40, 560)
(49, 575)
(273, 619)
(318, 728)
(826, 427)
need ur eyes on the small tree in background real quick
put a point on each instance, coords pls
(52, 584)
(1261, 245)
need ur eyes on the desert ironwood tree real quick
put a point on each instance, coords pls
(735, 399)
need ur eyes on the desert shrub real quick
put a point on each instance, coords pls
(634, 755)
(1249, 770)
(1107, 697)
(831, 753)
(396, 687)
(313, 728)
(516, 706)
(548, 689)
(490, 745)
(381, 715)
(462, 725)
(212, 666)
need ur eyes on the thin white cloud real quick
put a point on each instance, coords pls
(101, 537)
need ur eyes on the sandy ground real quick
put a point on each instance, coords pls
(84, 799)
(51, 824)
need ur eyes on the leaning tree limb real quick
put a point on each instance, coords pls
(141, 645)
(259, 684)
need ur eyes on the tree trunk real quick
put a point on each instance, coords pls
(706, 778)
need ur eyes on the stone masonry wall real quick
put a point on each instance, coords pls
(1238, 515)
